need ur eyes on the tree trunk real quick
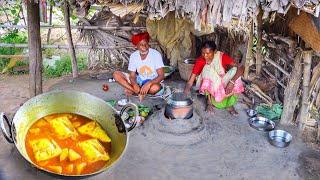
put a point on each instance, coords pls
(291, 97)
(34, 43)
(248, 57)
(259, 43)
(307, 56)
(70, 42)
(50, 23)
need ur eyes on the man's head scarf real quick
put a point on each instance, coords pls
(139, 37)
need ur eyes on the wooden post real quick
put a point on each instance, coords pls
(248, 57)
(70, 42)
(50, 23)
(259, 43)
(34, 43)
(307, 56)
(291, 97)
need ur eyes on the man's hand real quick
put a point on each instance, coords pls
(229, 88)
(145, 88)
(136, 88)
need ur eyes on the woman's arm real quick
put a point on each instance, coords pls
(190, 83)
(239, 73)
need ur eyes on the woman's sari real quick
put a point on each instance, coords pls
(213, 80)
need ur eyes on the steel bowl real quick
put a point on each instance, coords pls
(279, 138)
(261, 124)
(251, 112)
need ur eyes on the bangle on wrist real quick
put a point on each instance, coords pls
(232, 82)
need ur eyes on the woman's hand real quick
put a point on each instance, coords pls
(187, 90)
(229, 87)
(145, 88)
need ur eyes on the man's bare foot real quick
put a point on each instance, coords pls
(232, 111)
(141, 97)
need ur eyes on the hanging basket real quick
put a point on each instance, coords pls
(185, 68)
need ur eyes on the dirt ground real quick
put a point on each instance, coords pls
(228, 147)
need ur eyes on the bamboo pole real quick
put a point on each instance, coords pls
(248, 57)
(78, 46)
(50, 23)
(69, 38)
(124, 28)
(259, 57)
(274, 77)
(291, 98)
(14, 56)
(307, 56)
(34, 43)
(277, 66)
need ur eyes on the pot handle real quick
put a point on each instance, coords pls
(4, 119)
(130, 122)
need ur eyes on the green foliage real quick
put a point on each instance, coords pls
(11, 37)
(63, 66)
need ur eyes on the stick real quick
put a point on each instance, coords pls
(50, 23)
(277, 66)
(34, 43)
(271, 75)
(78, 46)
(259, 43)
(307, 56)
(124, 28)
(69, 38)
(248, 57)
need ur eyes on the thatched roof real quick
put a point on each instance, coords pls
(205, 14)
(232, 14)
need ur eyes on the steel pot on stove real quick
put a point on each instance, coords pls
(179, 106)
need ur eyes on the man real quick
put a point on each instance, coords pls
(145, 69)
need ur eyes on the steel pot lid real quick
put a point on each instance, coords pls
(179, 99)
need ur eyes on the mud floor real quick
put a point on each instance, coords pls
(225, 148)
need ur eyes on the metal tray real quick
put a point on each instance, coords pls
(261, 124)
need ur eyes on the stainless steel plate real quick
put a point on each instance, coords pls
(279, 138)
(261, 123)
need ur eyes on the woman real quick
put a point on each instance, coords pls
(219, 78)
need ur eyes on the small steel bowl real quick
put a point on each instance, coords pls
(279, 138)
(251, 112)
(261, 124)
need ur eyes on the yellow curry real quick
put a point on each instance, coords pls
(68, 144)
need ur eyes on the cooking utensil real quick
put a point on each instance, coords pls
(261, 124)
(279, 138)
(71, 102)
(189, 61)
(123, 102)
(168, 70)
(179, 106)
(251, 112)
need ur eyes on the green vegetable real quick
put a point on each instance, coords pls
(166, 69)
(111, 102)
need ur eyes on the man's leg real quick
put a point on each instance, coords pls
(154, 88)
(122, 80)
